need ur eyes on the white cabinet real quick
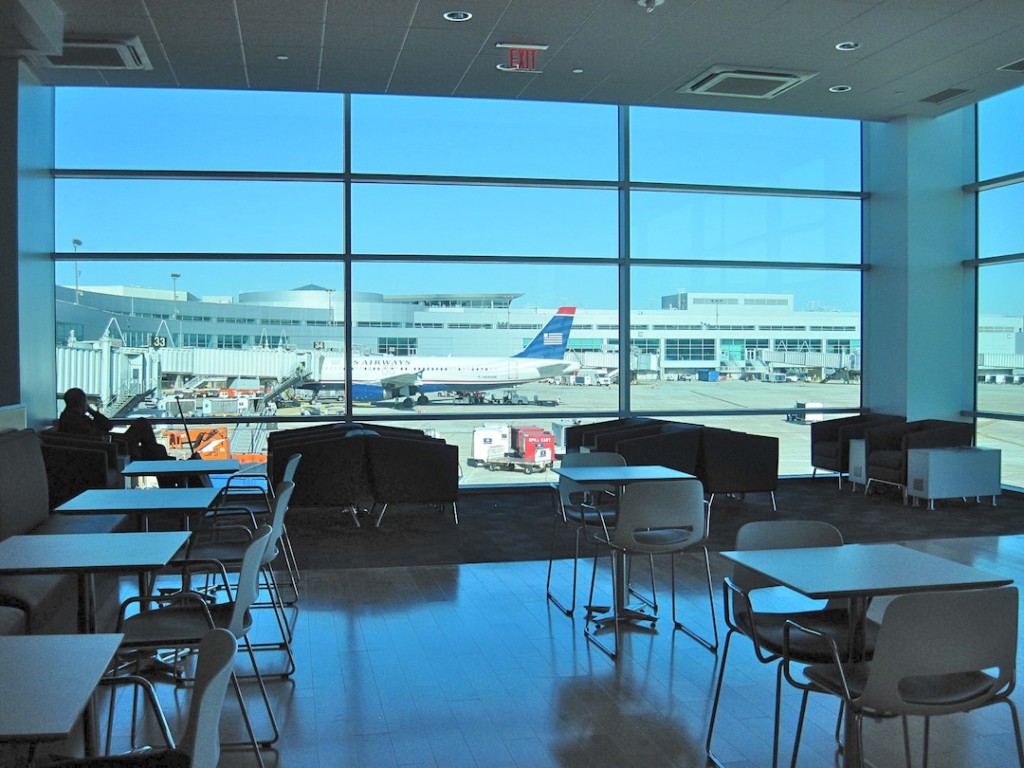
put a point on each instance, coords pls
(947, 473)
(858, 464)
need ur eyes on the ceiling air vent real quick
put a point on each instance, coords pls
(744, 82)
(93, 53)
(946, 95)
(1013, 66)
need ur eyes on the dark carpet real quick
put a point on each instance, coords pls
(516, 524)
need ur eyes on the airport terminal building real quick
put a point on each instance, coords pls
(161, 338)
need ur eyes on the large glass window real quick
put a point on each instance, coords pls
(476, 137)
(485, 243)
(1000, 126)
(499, 221)
(999, 390)
(178, 216)
(999, 213)
(744, 150)
(672, 225)
(185, 130)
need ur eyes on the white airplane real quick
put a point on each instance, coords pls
(379, 377)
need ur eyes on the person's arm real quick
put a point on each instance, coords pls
(101, 421)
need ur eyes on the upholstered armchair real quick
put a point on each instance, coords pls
(885, 447)
(737, 462)
(676, 446)
(604, 442)
(830, 440)
(582, 435)
(333, 472)
(424, 471)
(75, 464)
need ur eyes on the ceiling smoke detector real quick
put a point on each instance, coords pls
(744, 82)
(649, 5)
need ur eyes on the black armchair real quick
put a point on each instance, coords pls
(885, 447)
(830, 440)
(738, 462)
(676, 446)
(424, 471)
(582, 435)
(605, 441)
(75, 464)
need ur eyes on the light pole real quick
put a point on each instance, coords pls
(75, 242)
(330, 306)
(174, 283)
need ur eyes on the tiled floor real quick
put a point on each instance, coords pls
(470, 665)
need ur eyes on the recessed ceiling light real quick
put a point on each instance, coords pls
(458, 15)
(578, 71)
(282, 57)
(849, 45)
(840, 89)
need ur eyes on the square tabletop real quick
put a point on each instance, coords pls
(89, 552)
(47, 681)
(140, 500)
(183, 467)
(863, 570)
(615, 473)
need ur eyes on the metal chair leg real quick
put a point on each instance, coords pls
(718, 695)
(711, 645)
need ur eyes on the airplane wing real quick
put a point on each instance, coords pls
(555, 369)
(402, 379)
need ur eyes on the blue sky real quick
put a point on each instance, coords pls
(241, 131)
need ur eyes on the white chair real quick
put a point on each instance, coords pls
(581, 506)
(655, 518)
(199, 745)
(180, 620)
(227, 544)
(252, 495)
(937, 653)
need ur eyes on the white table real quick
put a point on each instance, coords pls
(185, 467)
(621, 476)
(141, 502)
(48, 681)
(87, 553)
(949, 473)
(858, 572)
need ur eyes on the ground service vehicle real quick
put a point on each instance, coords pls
(503, 447)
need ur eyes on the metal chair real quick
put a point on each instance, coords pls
(765, 628)
(582, 507)
(228, 545)
(654, 518)
(199, 745)
(241, 495)
(937, 653)
(180, 620)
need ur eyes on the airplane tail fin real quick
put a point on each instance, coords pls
(550, 343)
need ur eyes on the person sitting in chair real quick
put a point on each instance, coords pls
(79, 418)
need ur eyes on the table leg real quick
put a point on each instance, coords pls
(87, 625)
(857, 617)
(622, 608)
